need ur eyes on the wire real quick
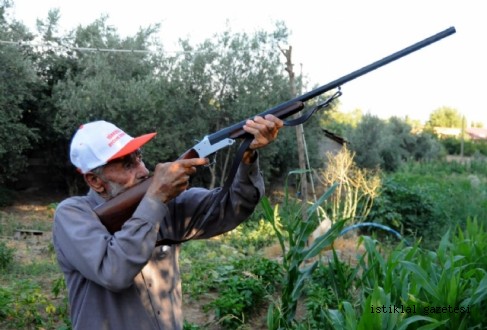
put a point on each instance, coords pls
(87, 49)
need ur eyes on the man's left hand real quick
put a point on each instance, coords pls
(264, 130)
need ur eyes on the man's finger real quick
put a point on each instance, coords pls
(193, 162)
(278, 122)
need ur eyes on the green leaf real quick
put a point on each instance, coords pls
(324, 240)
(335, 318)
(322, 199)
(304, 274)
(434, 325)
(416, 318)
(479, 295)
(423, 278)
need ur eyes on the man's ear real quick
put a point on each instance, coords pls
(95, 182)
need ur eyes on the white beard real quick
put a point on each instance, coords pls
(115, 189)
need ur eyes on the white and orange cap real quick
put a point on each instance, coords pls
(99, 142)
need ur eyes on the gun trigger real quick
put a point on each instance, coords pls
(212, 160)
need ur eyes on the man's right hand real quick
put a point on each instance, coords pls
(172, 178)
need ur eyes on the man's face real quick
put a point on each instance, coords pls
(122, 173)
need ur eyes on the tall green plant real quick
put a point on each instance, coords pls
(350, 319)
(414, 288)
(292, 232)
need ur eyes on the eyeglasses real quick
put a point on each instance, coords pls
(129, 161)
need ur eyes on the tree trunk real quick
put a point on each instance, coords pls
(299, 134)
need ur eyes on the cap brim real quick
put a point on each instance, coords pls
(133, 145)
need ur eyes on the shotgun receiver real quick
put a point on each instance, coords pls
(119, 209)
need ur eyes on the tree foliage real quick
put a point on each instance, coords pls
(93, 73)
(17, 80)
(183, 97)
(445, 117)
(389, 144)
(342, 122)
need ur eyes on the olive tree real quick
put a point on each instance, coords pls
(387, 144)
(17, 79)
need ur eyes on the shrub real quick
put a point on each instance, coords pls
(408, 209)
(6, 197)
(242, 286)
(253, 234)
(6, 256)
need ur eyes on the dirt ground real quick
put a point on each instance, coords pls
(36, 210)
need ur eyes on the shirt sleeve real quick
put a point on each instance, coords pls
(112, 261)
(190, 216)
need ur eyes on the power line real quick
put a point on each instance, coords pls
(21, 43)
(86, 49)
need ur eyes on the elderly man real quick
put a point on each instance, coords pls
(123, 280)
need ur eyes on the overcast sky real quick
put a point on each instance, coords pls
(330, 39)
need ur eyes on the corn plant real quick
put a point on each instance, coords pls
(293, 232)
(382, 318)
(414, 288)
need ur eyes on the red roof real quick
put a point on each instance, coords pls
(477, 133)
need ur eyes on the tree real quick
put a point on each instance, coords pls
(229, 78)
(340, 122)
(115, 85)
(366, 142)
(92, 73)
(398, 143)
(445, 117)
(16, 83)
(389, 144)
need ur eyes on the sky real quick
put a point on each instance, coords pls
(329, 40)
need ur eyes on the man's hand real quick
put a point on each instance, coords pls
(264, 130)
(172, 178)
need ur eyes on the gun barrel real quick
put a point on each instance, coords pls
(227, 132)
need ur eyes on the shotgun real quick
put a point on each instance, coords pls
(119, 209)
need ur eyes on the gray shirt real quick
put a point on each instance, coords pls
(122, 281)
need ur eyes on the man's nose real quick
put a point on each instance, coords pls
(141, 169)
